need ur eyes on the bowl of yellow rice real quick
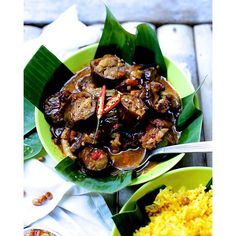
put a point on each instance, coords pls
(182, 207)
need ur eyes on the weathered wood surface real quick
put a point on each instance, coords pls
(124, 194)
(31, 32)
(93, 11)
(203, 45)
(131, 26)
(177, 43)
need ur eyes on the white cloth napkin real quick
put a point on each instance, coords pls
(72, 211)
(64, 36)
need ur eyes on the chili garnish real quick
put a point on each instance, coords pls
(100, 108)
(96, 155)
(132, 82)
(115, 99)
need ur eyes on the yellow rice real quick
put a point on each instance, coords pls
(182, 213)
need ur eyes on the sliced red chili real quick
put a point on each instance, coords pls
(100, 108)
(116, 126)
(36, 233)
(100, 103)
(132, 82)
(115, 99)
(153, 135)
(96, 155)
(121, 73)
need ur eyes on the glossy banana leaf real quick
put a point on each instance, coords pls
(127, 222)
(108, 184)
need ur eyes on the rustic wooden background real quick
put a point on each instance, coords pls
(184, 29)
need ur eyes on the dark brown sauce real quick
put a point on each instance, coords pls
(131, 158)
(127, 159)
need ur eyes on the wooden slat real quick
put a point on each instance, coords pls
(124, 195)
(31, 32)
(177, 43)
(131, 26)
(110, 200)
(203, 45)
(93, 11)
(97, 26)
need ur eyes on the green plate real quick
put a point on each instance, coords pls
(190, 177)
(81, 59)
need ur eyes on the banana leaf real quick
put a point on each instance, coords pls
(32, 146)
(115, 40)
(29, 123)
(141, 48)
(127, 222)
(44, 75)
(41, 79)
(190, 119)
(147, 50)
(192, 133)
(109, 184)
(209, 185)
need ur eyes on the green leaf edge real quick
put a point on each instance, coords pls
(34, 143)
(68, 168)
(136, 217)
(29, 121)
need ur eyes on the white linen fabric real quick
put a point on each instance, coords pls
(64, 36)
(73, 211)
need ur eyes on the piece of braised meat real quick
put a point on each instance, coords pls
(130, 139)
(132, 80)
(109, 122)
(56, 133)
(81, 106)
(54, 107)
(172, 96)
(157, 131)
(80, 76)
(109, 130)
(132, 108)
(94, 159)
(151, 74)
(115, 142)
(81, 140)
(160, 95)
(108, 69)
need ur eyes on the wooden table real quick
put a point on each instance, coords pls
(185, 38)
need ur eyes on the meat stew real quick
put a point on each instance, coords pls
(143, 117)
